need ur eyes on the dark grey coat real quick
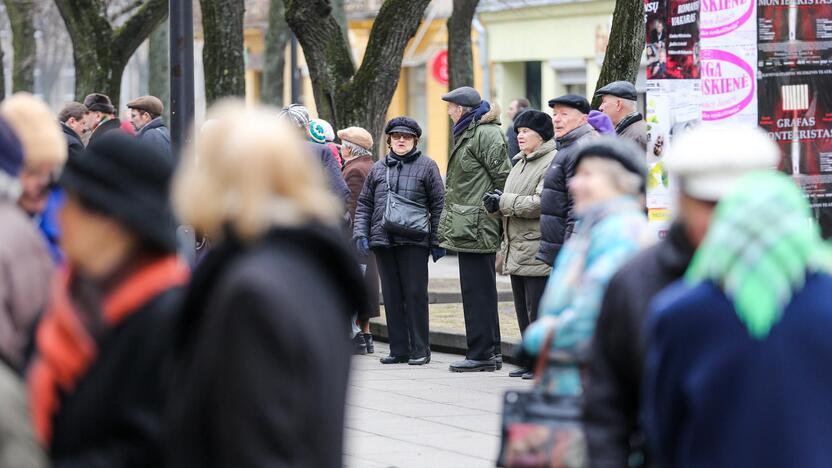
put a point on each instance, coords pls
(557, 217)
(415, 177)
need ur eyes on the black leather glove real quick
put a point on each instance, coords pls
(491, 201)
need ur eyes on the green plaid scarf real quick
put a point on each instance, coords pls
(761, 243)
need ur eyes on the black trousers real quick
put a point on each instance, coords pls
(477, 277)
(527, 291)
(404, 284)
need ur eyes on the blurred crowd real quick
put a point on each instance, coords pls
(201, 308)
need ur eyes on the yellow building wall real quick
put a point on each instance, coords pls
(561, 31)
(434, 39)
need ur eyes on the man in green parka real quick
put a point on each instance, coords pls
(477, 165)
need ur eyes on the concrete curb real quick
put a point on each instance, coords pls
(447, 342)
(456, 298)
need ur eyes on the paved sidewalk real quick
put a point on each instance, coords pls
(411, 416)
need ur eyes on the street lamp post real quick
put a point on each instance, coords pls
(181, 72)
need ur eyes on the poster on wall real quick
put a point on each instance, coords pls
(729, 62)
(673, 96)
(795, 94)
(672, 42)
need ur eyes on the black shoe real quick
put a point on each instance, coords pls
(359, 346)
(368, 338)
(518, 372)
(394, 359)
(419, 361)
(528, 375)
(498, 359)
(470, 365)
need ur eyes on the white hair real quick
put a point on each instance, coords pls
(357, 151)
(625, 181)
(631, 105)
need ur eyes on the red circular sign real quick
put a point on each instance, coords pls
(440, 67)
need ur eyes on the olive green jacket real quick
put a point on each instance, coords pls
(520, 212)
(477, 165)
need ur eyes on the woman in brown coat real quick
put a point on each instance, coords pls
(357, 152)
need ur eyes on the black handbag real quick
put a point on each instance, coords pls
(539, 429)
(404, 217)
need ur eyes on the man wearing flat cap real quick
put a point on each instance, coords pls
(619, 101)
(707, 162)
(101, 117)
(557, 218)
(146, 116)
(477, 165)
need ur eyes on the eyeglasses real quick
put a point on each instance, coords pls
(401, 136)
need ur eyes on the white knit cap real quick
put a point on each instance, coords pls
(329, 132)
(709, 160)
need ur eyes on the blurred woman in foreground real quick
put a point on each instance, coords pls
(97, 382)
(262, 349)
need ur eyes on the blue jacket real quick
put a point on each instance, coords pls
(156, 134)
(332, 171)
(715, 397)
(48, 224)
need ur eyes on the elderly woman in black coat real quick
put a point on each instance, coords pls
(262, 349)
(402, 253)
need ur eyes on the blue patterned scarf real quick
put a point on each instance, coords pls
(475, 114)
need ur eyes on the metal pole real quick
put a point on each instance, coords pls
(295, 72)
(181, 72)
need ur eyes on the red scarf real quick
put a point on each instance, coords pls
(65, 349)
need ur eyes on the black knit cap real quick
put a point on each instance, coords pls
(540, 122)
(100, 103)
(620, 150)
(128, 180)
(403, 125)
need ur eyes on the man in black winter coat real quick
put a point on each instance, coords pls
(73, 123)
(557, 217)
(612, 398)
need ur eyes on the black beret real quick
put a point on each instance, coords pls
(465, 96)
(403, 125)
(571, 100)
(620, 150)
(540, 122)
(622, 89)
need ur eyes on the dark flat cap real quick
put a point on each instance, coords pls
(97, 102)
(465, 96)
(150, 104)
(571, 100)
(622, 89)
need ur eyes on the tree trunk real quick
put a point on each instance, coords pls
(626, 44)
(222, 55)
(274, 58)
(101, 52)
(460, 57)
(158, 83)
(345, 96)
(21, 18)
